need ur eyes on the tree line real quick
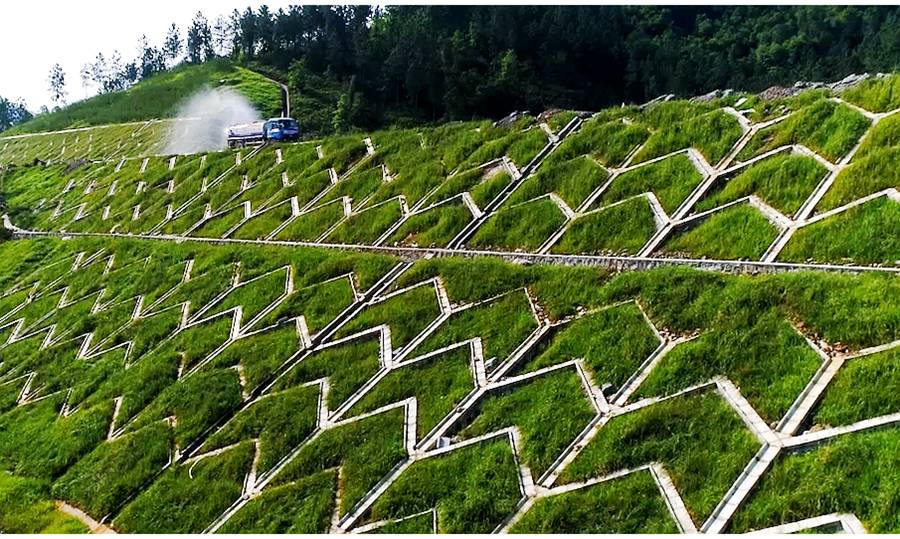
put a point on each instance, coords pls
(427, 63)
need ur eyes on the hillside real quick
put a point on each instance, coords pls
(675, 317)
(159, 97)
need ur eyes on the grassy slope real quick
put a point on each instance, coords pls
(158, 97)
(623, 228)
(783, 182)
(852, 474)
(861, 235)
(739, 232)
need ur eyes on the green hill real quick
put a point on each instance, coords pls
(159, 97)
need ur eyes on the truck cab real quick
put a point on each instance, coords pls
(280, 129)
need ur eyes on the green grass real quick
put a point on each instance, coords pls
(472, 489)
(713, 134)
(358, 185)
(784, 182)
(254, 296)
(434, 227)
(347, 366)
(613, 343)
(620, 229)
(875, 94)
(572, 180)
(483, 185)
(26, 507)
(741, 321)
(219, 224)
(116, 470)
(312, 224)
(520, 147)
(549, 410)
(319, 304)
(365, 450)
(280, 421)
(196, 402)
(407, 315)
(851, 474)
(875, 172)
(502, 325)
(367, 225)
(260, 354)
(303, 506)
(825, 127)
(699, 440)
(769, 361)
(438, 384)
(739, 232)
(36, 442)
(423, 523)
(631, 504)
(859, 235)
(525, 226)
(861, 390)
(672, 180)
(159, 96)
(188, 497)
(608, 142)
(885, 134)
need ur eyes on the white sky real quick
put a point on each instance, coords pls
(38, 33)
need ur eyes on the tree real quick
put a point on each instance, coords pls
(172, 46)
(98, 72)
(150, 59)
(340, 120)
(222, 36)
(85, 77)
(12, 113)
(199, 40)
(57, 80)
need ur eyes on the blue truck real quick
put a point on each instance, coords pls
(277, 129)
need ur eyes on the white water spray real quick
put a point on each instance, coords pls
(204, 119)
